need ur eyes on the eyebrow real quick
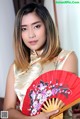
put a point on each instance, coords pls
(31, 24)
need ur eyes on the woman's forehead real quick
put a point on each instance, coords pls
(31, 18)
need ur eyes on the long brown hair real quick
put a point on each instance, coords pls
(52, 45)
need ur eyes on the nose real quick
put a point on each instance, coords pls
(31, 33)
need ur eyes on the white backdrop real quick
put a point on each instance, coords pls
(6, 36)
(69, 27)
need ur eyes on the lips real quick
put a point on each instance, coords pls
(33, 42)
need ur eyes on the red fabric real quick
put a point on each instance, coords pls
(53, 84)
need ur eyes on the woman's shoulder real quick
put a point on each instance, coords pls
(68, 54)
(70, 61)
(10, 76)
(11, 68)
(65, 58)
(65, 52)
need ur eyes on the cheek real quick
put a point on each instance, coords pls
(24, 37)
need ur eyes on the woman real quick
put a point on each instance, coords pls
(37, 50)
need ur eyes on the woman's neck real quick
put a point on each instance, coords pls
(38, 53)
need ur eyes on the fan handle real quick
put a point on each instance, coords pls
(66, 107)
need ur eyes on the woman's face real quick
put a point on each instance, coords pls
(33, 32)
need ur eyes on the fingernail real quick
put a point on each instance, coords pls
(56, 111)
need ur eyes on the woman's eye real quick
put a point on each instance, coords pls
(37, 26)
(23, 29)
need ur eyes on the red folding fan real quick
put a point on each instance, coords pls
(52, 85)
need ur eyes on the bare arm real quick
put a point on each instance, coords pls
(10, 98)
(71, 64)
(10, 101)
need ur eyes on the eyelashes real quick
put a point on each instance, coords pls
(34, 27)
(23, 29)
(37, 26)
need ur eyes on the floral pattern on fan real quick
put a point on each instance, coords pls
(43, 91)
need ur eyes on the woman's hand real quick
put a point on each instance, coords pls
(45, 115)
